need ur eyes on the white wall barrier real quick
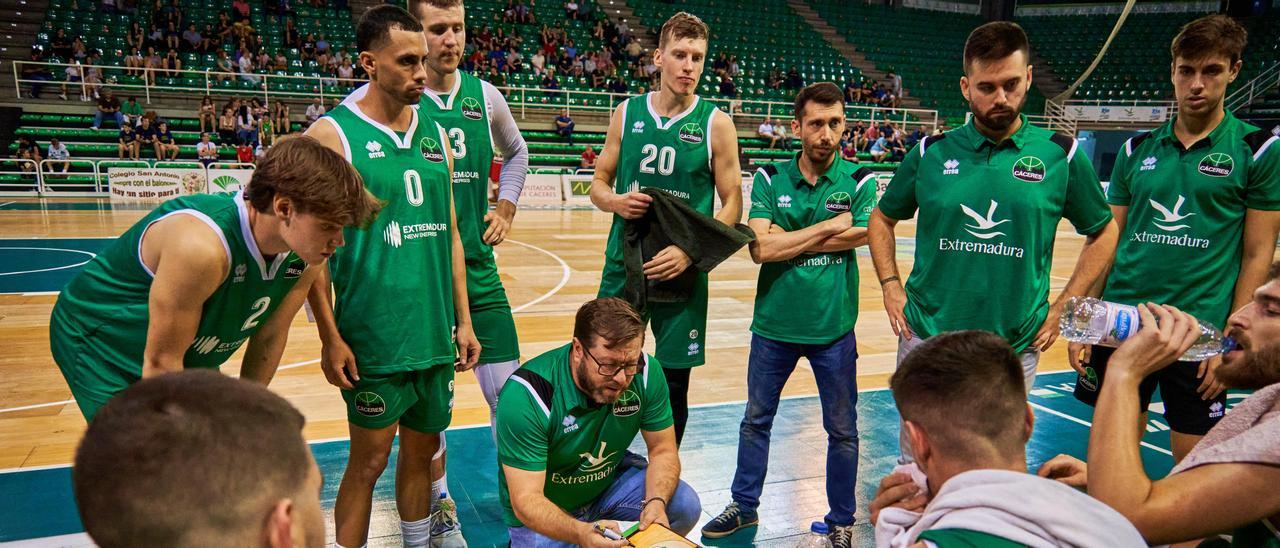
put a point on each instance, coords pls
(542, 189)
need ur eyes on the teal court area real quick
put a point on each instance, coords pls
(41, 504)
(45, 264)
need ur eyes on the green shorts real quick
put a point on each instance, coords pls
(92, 380)
(418, 400)
(679, 329)
(491, 316)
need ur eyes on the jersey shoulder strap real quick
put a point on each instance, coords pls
(1259, 141)
(1067, 144)
(1134, 142)
(930, 140)
(542, 388)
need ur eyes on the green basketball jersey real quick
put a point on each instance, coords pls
(463, 114)
(394, 282)
(673, 154)
(105, 306)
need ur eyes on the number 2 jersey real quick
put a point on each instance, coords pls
(104, 311)
(394, 278)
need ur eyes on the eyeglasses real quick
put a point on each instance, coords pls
(611, 369)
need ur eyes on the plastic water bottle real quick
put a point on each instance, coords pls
(1094, 321)
(817, 537)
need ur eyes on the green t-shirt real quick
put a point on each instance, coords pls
(813, 297)
(394, 278)
(1183, 238)
(132, 109)
(988, 215)
(964, 538)
(105, 305)
(545, 423)
(673, 154)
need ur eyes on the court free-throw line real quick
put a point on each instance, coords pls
(564, 280)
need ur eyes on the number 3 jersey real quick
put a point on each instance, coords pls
(673, 154)
(104, 312)
(394, 278)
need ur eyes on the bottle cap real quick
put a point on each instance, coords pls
(1229, 344)
(818, 527)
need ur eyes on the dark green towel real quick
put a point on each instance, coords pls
(669, 221)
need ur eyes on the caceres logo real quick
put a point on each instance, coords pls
(570, 423)
(1148, 164)
(472, 109)
(1169, 220)
(294, 269)
(784, 201)
(375, 149)
(431, 150)
(628, 404)
(1089, 380)
(691, 133)
(370, 404)
(1215, 410)
(839, 202)
(951, 167)
(1217, 164)
(1029, 169)
(638, 127)
(241, 269)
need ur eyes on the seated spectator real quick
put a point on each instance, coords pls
(539, 63)
(241, 10)
(209, 40)
(858, 135)
(246, 125)
(549, 80)
(223, 66)
(314, 111)
(227, 125)
(775, 78)
(966, 418)
(852, 93)
(880, 149)
(734, 69)
(915, 136)
(895, 84)
(133, 63)
(515, 60)
(1227, 483)
(165, 144)
(192, 37)
(246, 68)
(849, 151)
(283, 121)
(146, 134)
(720, 64)
(322, 45)
(172, 64)
(618, 85)
(308, 49)
(128, 143)
(878, 96)
(588, 158)
(164, 443)
(108, 107)
(244, 153)
(58, 151)
(208, 119)
(780, 129)
(35, 74)
(571, 9)
(72, 78)
(794, 80)
(28, 149)
(767, 131)
(872, 134)
(60, 44)
(564, 126)
(897, 151)
(558, 489)
(206, 150)
(727, 88)
(92, 76)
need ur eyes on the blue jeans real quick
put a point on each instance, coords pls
(99, 115)
(835, 369)
(621, 501)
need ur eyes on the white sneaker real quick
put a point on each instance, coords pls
(446, 532)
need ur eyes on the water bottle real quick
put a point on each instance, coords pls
(817, 537)
(1094, 321)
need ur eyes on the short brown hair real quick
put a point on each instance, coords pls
(683, 25)
(414, 5)
(822, 93)
(995, 41)
(966, 390)
(608, 318)
(317, 180)
(188, 458)
(1210, 35)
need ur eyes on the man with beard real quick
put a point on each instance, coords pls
(1205, 258)
(1227, 483)
(402, 323)
(565, 421)
(990, 195)
(476, 117)
(808, 215)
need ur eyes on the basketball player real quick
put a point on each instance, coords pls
(401, 285)
(201, 275)
(1198, 203)
(672, 140)
(477, 118)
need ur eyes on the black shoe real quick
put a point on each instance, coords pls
(733, 517)
(841, 536)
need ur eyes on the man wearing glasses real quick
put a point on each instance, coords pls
(564, 422)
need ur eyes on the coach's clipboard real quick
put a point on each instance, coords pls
(656, 536)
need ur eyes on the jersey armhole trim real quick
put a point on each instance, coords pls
(346, 145)
(194, 213)
(710, 137)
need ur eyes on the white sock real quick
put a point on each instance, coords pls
(440, 487)
(416, 534)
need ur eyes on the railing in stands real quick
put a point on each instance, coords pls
(1260, 85)
(520, 99)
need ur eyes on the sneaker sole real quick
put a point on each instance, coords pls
(711, 534)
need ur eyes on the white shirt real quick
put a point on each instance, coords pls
(765, 128)
(60, 153)
(209, 149)
(314, 112)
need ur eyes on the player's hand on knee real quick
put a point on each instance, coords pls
(633, 205)
(339, 365)
(897, 491)
(1078, 354)
(1066, 469)
(667, 264)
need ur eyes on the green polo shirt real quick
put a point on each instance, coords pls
(813, 297)
(988, 214)
(1184, 235)
(545, 423)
